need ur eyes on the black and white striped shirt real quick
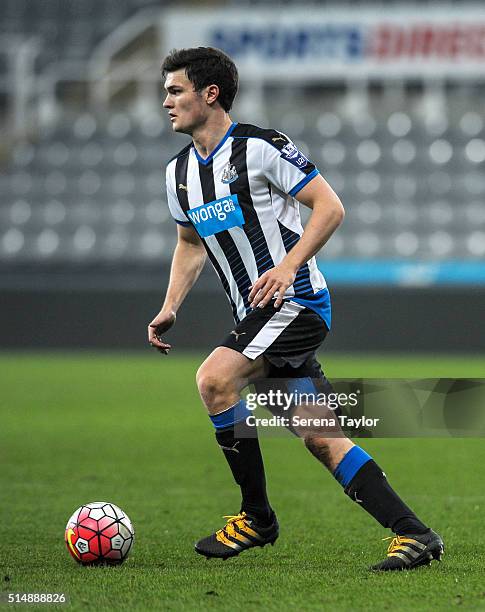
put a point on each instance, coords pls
(240, 200)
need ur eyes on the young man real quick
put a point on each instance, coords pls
(232, 193)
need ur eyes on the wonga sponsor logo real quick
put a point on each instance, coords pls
(216, 216)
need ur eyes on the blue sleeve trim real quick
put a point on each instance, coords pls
(184, 223)
(350, 465)
(303, 182)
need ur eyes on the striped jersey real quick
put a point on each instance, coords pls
(241, 202)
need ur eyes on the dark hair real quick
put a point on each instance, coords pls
(205, 66)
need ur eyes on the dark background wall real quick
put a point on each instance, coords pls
(364, 319)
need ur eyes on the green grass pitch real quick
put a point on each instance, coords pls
(130, 429)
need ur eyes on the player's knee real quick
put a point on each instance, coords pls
(211, 385)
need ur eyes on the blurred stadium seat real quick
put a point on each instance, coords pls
(90, 175)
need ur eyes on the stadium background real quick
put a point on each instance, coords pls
(390, 107)
(388, 100)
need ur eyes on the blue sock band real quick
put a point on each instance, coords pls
(350, 465)
(231, 416)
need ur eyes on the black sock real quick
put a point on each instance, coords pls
(370, 489)
(246, 462)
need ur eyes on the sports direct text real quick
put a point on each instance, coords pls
(286, 400)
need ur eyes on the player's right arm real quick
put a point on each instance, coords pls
(187, 263)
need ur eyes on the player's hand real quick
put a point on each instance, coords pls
(276, 280)
(160, 324)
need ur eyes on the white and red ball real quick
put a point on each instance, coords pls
(99, 532)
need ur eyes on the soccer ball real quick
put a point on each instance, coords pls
(99, 532)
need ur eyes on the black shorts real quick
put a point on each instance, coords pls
(287, 337)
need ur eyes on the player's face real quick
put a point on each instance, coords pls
(186, 108)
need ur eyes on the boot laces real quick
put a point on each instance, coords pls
(395, 544)
(233, 521)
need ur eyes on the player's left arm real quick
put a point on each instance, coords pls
(327, 214)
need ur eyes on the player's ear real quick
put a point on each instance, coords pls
(212, 93)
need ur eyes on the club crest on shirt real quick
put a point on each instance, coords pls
(229, 174)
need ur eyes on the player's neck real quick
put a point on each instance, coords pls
(207, 137)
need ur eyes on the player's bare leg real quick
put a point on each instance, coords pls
(220, 379)
(329, 451)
